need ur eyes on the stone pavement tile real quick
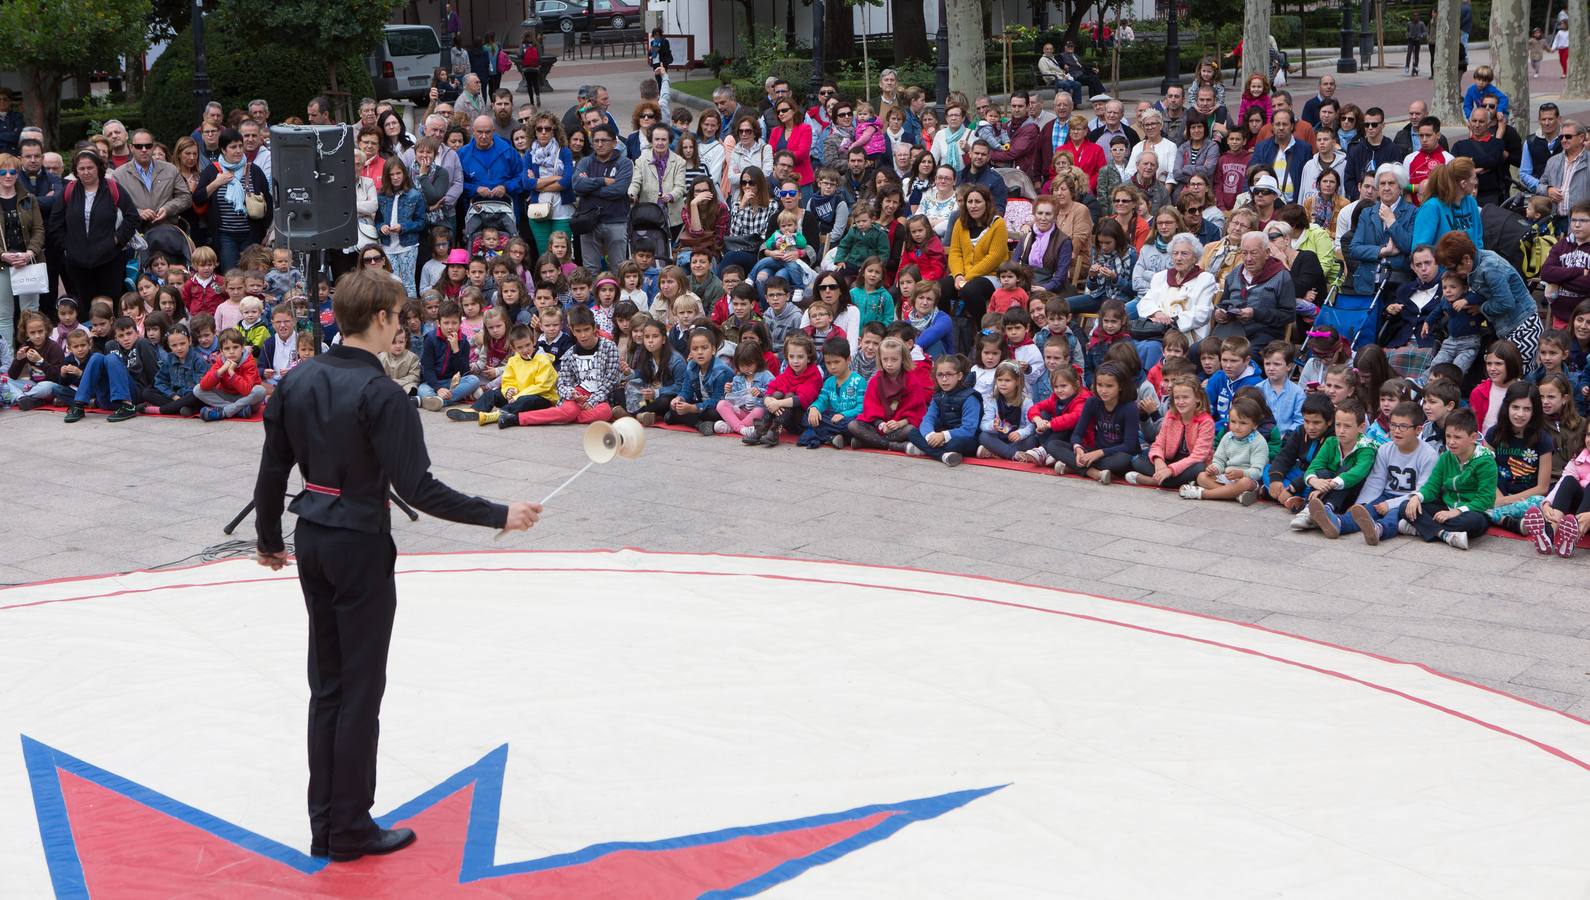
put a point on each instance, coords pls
(81, 562)
(1295, 600)
(1066, 569)
(1503, 588)
(1055, 539)
(1480, 635)
(1328, 630)
(1557, 675)
(1049, 577)
(1568, 573)
(1171, 533)
(1171, 581)
(1489, 555)
(852, 548)
(1132, 550)
(1489, 666)
(1202, 606)
(1544, 696)
(1272, 571)
(1262, 521)
(1391, 595)
(1580, 709)
(1533, 616)
(1339, 555)
(967, 565)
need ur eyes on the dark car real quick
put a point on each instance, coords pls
(573, 15)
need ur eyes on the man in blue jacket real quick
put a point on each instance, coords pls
(601, 186)
(1283, 154)
(492, 169)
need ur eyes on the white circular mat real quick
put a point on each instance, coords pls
(630, 724)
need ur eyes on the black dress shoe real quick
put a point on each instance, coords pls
(318, 851)
(385, 841)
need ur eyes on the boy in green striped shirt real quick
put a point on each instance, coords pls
(1452, 504)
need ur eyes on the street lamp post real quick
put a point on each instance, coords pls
(1366, 32)
(1346, 63)
(941, 75)
(201, 69)
(817, 51)
(1172, 54)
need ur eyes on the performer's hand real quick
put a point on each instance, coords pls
(272, 561)
(522, 515)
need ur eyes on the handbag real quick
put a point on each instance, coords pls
(30, 279)
(1148, 330)
(538, 211)
(254, 205)
(585, 221)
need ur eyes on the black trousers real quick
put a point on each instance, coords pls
(86, 283)
(351, 595)
(186, 405)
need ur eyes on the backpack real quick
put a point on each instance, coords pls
(531, 58)
(115, 190)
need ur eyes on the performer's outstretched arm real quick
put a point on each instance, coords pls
(399, 442)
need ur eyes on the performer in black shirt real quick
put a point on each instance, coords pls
(354, 435)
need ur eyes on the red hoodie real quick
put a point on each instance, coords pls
(1061, 419)
(242, 380)
(198, 298)
(929, 259)
(911, 407)
(804, 386)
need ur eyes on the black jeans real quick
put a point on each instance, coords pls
(1142, 465)
(1117, 464)
(351, 595)
(1471, 523)
(186, 405)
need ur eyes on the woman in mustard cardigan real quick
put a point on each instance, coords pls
(979, 244)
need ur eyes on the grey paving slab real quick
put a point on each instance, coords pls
(1497, 614)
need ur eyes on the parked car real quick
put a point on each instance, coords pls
(573, 15)
(402, 63)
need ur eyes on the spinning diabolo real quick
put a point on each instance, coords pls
(625, 438)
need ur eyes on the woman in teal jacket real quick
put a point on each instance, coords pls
(1449, 204)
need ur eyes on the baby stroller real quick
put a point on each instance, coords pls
(169, 241)
(648, 226)
(498, 214)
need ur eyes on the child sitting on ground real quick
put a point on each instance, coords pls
(1185, 442)
(401, 364)
(1106, 435)
(839, 403)
(949, 426)
(706, 379)
(1006, 429)
(586, 375)
(1559, 521)
(1233, 472)
(1401, 466)
(1342, 464)
(232, 388)
(893, 403)
(1452, 504)
(1524, 451)
(658, 376)
(1288, 470)
(742, 405)
(1281, 393)
(446, 357)
(1055, 418)
(790, 393)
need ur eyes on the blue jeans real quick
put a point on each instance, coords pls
(824, 432)
(793, 273)
(228, 247)
(1150, 352)
(105, 382)
(965, 446)
(467, 386)
(1386, 524)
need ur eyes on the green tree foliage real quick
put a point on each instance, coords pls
(244, 64)
(51, 40)
(325, 29)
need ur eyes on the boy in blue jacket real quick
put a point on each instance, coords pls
(1236, 372)
(949, 429)
(828, 419)
(446, 355)
(706, 378)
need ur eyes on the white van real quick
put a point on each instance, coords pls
(401, 65)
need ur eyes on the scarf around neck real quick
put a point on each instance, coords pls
(1175, 278)
(234, 191)
(891, 389)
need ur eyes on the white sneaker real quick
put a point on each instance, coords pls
(1302, 521)
(1458, 539)
(796, 296)
(913, 450)
(1406, 527)
(1191, 492)
(431, 404)
(983, 453)
(747, 431)
(1131, 477)
(721, 427)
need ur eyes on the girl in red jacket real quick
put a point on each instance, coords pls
(894, 403)
(1185, 443)
(232, 388)
(1056, 417)
(923, 249)
(790, 392)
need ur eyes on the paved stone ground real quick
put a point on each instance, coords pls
(112, 498)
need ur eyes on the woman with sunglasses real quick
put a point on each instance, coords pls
(838, 137)
(833, 288)
(751, 209)
(746, 150)
(549, 165)
(793, 134)
(979, 245)
(645, 116)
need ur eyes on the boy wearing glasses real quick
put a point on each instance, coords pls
(1401, 467)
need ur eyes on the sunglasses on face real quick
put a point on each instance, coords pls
(788, 193)
(745, 182)
(143, 146)
(543, 129)
(368, 260)
(747, 131)
(5, 173)
(828, 287)
(1369, 124)
(647, 116)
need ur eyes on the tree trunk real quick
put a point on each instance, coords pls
(41, 102)
(1074, 22)
(1255, 38)
(1444, 63)
(968, 60)
(1577, 86)
(1510, 57)
(910, 33)
(988, 17)
(840, 27)
(789, 26)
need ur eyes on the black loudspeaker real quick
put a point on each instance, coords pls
(312, 167)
